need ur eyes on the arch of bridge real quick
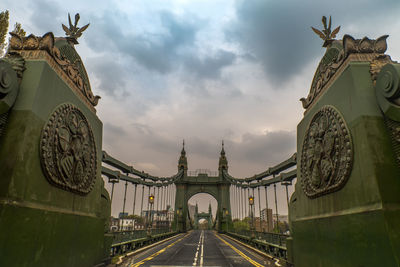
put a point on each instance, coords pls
(216, 186)
(194, 189)
(203, 215)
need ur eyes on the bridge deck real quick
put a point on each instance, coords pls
(199, 248)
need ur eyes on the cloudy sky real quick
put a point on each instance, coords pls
(204, 71)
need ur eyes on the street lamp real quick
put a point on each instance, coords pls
(251, 203)
(251, 200)
(151, 201)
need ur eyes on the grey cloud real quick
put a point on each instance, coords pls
(164, 51)
(158, 52)
(271, 148)
(114, 130)
(210, 67)
(110, 73)
(278, 34)
(112, 134)
(44, 13)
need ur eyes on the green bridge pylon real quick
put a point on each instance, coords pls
(217, 186)
(203, 215)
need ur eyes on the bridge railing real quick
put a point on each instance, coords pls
(123, 236)
(246, 198)
(271, 243)
(126, 241)
(273, 238)
(144, 185)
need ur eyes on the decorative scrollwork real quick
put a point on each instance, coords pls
(74, 70)
(327, 155)
(68, 150)
(337, 53)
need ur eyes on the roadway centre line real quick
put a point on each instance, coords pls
(202, 245)
(157, 253)
(198, 247)
(240, 253)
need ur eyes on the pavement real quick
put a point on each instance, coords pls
(199, 248)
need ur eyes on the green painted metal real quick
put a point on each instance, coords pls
(188, 186)
(127, 241)
(203, 215)
(358, 223)
(271, 243)
(42, 224)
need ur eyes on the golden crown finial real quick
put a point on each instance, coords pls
(74, 32)
(326, 33)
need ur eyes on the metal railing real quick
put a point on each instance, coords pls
(125, 241)
(124, 236)
(273, 238)
(271, 243)
(202, 171)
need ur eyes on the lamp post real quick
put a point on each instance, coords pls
(251, 204)
(151, 201)
(227, 219)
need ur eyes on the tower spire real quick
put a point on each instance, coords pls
(223, 162)
(182, 164)
(183, 152)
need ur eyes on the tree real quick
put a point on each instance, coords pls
(18, 30)
(4, 16)
(241, 225)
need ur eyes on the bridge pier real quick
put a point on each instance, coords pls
(345, 208)
(54, 210)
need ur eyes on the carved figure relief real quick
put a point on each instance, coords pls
(68, 150)
(327, 154)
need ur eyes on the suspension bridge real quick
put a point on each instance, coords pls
(55, 210)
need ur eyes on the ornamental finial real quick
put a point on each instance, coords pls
(74, 32)
(326, 33)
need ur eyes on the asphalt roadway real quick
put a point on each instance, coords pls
(199, 248)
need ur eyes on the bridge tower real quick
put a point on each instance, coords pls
(196, 217)
(188, 186)
(210, 222)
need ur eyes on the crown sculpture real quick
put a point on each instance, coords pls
(339, 53)
(326, 33)
(62, 55)
(74, 32)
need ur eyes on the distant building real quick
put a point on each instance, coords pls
(125, 224)
(266, 217)
(281, 218)
(122, 214)
(192, 210)
(114, 224)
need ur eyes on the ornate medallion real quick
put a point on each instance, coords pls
(68, 150)
(327, 156)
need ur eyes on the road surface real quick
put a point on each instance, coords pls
(199, 248)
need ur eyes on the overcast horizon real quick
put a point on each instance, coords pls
(203, 71)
